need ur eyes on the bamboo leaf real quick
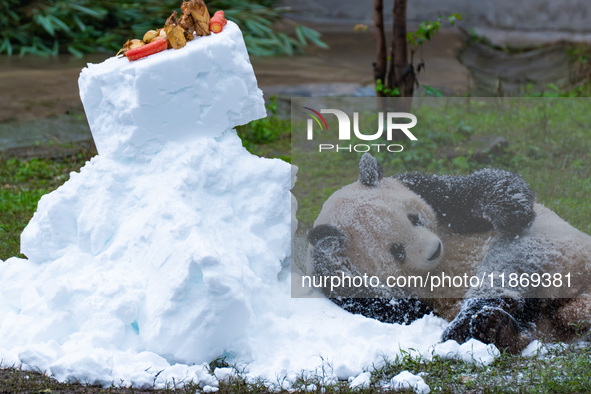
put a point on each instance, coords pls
(59, 23)
(82, 24)
(287, 44)
(79, 22)
(56, 48)
(74, 51)
(98, 13)
(300, 35)
(315, 38)
(41, 20)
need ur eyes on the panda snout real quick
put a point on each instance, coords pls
(436, 254)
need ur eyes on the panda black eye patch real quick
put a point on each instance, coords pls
(415, 219)
(398, 251)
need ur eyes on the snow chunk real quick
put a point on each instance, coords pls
(447, 350)
(474, 351)
(224, 373)
(406, 380)
(361, 382)
(344, 372)
(471, 351)
(535, 348)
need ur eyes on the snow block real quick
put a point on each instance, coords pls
(198, 91)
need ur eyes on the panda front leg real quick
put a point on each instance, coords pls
(501, 314)
(328, 257)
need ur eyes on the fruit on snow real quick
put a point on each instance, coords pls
(148, 49)
(194, 21)
(217, 22)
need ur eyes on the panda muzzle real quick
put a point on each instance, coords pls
(436, 254)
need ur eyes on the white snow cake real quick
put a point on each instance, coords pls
(198, 91)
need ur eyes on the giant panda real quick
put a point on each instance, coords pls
(477, 225)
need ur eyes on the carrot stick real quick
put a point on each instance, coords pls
(149, 49)
(217, 22)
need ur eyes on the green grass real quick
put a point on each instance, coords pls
(268, 137)
(563, 369)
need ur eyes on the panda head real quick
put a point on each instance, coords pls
(388, 229)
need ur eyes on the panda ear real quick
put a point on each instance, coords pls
(370, 171)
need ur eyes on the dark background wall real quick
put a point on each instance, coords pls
(530, 15)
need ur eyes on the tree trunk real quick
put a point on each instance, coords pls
(403, 75)
(381, 64)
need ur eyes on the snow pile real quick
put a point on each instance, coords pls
(169, 249)
(164, 257)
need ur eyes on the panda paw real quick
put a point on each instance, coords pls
(458, 330)
(494, 325)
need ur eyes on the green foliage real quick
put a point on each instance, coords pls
(219, 362)
(431, 91)
(427, 29)
(551, 90)
(564, 369)
(386, 91)
(580, 53)
(50, 27)
(267, 137)
(416, 39)
(256, 21)
(474, 37)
